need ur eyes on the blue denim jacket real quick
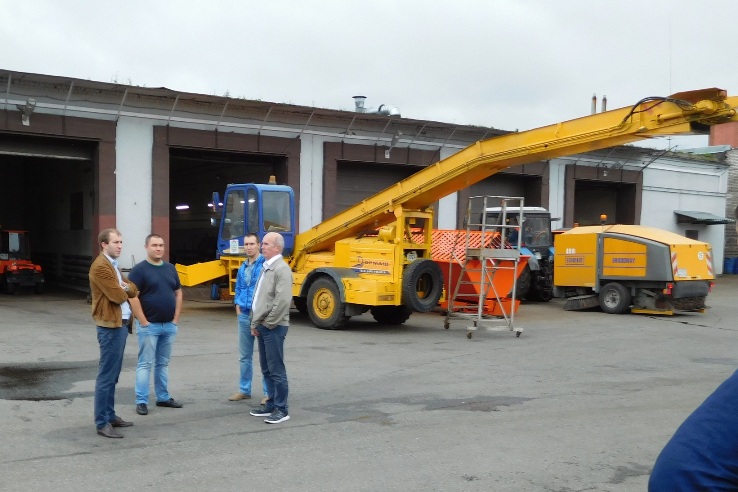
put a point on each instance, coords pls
(245, 287)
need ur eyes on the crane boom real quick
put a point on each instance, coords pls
(682, 113)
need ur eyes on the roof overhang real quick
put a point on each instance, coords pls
(693, 217)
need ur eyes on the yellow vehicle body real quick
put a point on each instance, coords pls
(651, 269)
(339, 273)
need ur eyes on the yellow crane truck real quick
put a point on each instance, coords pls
(619, 266)
(366, 258)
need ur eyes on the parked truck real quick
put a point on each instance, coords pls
(536, 242)
(16, 267)
(366, 259)
(632, 268)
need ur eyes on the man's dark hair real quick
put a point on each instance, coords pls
(150, 236)
(252, 234)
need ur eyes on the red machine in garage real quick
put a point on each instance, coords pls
(16, 267)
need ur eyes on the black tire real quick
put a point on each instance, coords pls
(301, 304)
(522, 285)
(8, 287)
(422, 285)
(324, 305)
(614, 298)
(541, 288)
(391, 315)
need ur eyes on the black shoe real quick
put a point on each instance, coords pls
(262, 411)
(142, 409)
(108, 431)
(171, 403)
(119, 422)
(278, 416)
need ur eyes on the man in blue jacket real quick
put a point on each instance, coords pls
(248, 275)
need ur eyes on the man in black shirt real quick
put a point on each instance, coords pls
(157, 314)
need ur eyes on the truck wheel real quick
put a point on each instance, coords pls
(614, 298)
(422, 285)
(325, 307)
(522, 284)
(8, 287)
(391, 315)
(541, 284)
(541, 289)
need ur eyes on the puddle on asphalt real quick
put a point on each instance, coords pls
(44, 381)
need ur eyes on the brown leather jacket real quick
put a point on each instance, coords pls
(107, 294)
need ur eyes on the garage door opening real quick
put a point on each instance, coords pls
(48, 190)
(193, 177)
(594, 198)
(501, 184)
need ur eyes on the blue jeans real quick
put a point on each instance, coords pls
(271, 358)
(112, 343)
(154, 348)
(246, 355)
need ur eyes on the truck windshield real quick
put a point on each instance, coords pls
(276, 211)
(537, 231)
(233, 218)
(14, 246)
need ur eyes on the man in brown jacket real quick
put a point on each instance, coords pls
(112, 314)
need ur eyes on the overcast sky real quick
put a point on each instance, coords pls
(508, 64)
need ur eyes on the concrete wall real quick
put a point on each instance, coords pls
(686, 187)
(134, 137)
(447, 205)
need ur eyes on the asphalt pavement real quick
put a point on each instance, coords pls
(580, 401)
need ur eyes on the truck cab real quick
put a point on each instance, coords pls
(16, 267)
(254, 208)
(536, 240)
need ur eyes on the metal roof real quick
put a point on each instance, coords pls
(694, 217)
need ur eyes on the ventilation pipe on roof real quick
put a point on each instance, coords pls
(604, 104)
(383, 109)
(594, 103)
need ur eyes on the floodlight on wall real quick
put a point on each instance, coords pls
(26, 111)
(395, 139)
(182, 207)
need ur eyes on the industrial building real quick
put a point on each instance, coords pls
(78, 156)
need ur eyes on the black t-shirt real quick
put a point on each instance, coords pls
(156, 285)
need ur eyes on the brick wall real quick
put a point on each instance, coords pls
(731, 202)
(727, 134)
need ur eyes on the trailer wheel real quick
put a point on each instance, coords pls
(325, 307)
(391, 315)
(614, 298)
(422, 285)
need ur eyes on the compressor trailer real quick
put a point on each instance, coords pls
(619, 266)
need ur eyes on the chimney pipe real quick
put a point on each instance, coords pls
(359, 103)
(383, 109)
(594, 103)
(604, 103)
